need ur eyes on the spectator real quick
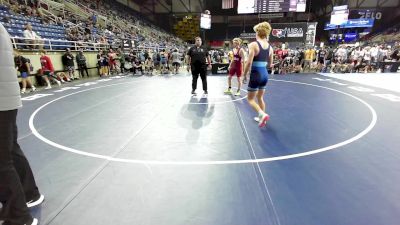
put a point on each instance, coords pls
(99, 63)
(149, 66)
(68, 62)
(156, 60)
(33, 40)
(94, 18)
(47, 70)
(63, 77)
(112, 63)
(137, 66)
(309, 56)
(23, 66)
(103, 60)
(367, 58)
(395, 55)
(81, 61)
(176, 60)
(121, 58)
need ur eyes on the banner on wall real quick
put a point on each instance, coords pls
(311, 32)
(375, 14)
(220, 68)
(127, 44)
(381, 16)
(283, 32)
(289, 32)
(351, 23)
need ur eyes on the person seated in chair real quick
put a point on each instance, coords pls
(33, 41)
(137, 66)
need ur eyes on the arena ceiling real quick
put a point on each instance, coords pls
(170, 6)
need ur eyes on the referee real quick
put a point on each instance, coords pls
(197, 60)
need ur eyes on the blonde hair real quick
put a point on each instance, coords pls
(263, 29)
(238, 40)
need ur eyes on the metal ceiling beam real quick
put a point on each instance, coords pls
(201, 5)
(381, 2)
(360, 3)
(184, 5)
(145, 7)
(165, 7)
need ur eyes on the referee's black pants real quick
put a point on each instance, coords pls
(196, 71)
(17, 184)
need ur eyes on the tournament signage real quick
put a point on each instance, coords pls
(380, 16)
(284, 32)
(359, 23)
(263, 6)
(352, 23)
(311, 32)
(339, 15)
(127, 44)
(270, 16)
(288, 32)
(220, 68)
(366, 14)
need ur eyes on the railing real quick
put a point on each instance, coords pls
(76, 10)
(149, 48)
(91, 11)
(53, 5)
(61, 45)
(49, 15)
(54, 45)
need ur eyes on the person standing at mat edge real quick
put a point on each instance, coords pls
(197, 57)
(260, 53)
(236, 66)
(18, 190)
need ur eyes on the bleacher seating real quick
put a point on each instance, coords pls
(16, 27)
(388, 35)
(145, 34)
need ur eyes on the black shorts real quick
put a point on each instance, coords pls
(321, 60)
(176, 64)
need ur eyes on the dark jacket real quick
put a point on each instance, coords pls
(68, 59)
(81, 59)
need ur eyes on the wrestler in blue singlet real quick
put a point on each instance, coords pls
(259, 72)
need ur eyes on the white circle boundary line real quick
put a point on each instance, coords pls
(218, 162)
